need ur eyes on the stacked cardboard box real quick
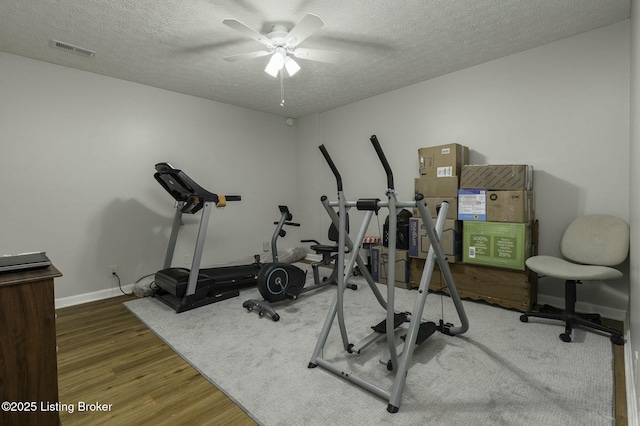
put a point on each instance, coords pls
(440, 168)
(496, 205)
(495, 220)
(439, 181)
(380, 266)
(489, 232)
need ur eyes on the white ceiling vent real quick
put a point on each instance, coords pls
(71, 48)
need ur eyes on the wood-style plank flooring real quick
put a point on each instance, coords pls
(106, 355)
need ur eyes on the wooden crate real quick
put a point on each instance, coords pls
(503, 287)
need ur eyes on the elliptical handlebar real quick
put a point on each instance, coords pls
(333, 167)
(383, 160)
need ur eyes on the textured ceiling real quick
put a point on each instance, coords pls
(178, 45)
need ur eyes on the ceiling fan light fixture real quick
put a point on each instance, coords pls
(276, 63)
(291, 66)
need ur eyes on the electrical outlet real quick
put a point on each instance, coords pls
(265, 246)
(113, 269)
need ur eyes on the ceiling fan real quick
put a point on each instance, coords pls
(282, 45)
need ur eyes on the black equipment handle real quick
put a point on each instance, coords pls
(383, 160)
(310, 241)
(333, 167)
(233, 197)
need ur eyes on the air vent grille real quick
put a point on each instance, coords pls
(67, 47)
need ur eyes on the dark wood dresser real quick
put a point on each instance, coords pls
(28, 362)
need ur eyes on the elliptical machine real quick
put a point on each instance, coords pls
(277, 281)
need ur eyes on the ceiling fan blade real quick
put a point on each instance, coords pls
(250, 55)
(249, 32)
(317, 55)
(303, 29)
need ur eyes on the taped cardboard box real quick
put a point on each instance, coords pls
(505, 245)
(480, 205)
(443, 160)
(506, 177)
(472, 204)
(510, 206)
(380, 266)
(433, 186)
(450, 240)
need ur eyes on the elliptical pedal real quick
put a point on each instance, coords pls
(398, 319)
(445, 328)
(425, 331)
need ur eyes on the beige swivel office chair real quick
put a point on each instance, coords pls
(591, 245)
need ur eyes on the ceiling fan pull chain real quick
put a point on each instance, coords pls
(282, 88)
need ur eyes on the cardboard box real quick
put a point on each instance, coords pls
(434, 202)
(472, 204)
(495, 206)
(518, 177)
(380, 266)
(450, 240)
(443, 160)
(433, 186)
(505, 245)
(510, 206)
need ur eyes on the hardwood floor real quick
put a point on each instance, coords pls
(107, 356)
(619, 383)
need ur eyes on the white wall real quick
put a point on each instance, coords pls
(562, 107)
(77, 157)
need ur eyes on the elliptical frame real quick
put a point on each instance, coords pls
(399, 355)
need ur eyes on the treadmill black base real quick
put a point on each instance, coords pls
(190, 302)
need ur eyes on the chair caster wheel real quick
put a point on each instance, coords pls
(275, 317)
(524, 318)
(565, 337)
(617, 340)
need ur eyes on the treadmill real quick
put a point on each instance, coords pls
(184, 289)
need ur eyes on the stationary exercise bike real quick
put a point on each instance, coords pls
(277, 281)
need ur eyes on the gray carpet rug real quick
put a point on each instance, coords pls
(501, 372)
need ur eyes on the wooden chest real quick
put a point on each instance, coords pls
(503, 287)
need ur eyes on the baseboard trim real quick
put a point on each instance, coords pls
(604, 311)
(313, 257)
(65, 302)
